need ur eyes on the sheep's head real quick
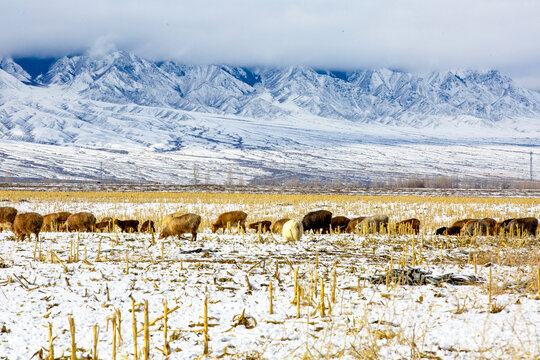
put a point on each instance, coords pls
(214, 228)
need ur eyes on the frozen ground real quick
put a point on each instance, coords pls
(234, 271)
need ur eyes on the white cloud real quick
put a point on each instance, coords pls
(341, 34)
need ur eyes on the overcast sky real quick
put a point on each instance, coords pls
(414, 35)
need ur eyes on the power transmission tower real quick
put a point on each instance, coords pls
(531, 167)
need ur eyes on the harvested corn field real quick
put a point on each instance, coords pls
(235, 294)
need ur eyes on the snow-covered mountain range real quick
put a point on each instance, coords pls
(258, 121)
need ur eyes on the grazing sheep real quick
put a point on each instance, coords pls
(27, 224)
(461, 222)
(317, 221)
(262, 226)
(169, 217)
(339, 223)
(105, 225)
(477, 227)
(55, 221)
(441, 231)
(82, 221)
(522, 226)
(374, 223)
(187, 223)
(229, 220)
(7, 216)
(453, 230)
(409, 226)
(148, 227)
(129, 226)
(353, 224)
(292, 231)
(492, 222)
(500, 226)
(278, 225)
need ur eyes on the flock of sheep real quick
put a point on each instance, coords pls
(292, 230)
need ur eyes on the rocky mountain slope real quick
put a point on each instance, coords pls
(269, 117)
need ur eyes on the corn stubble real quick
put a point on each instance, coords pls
(329, 307)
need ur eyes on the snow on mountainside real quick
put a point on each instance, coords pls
(383, 96)
(258, 120)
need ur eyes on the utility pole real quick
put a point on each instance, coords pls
(531, 167)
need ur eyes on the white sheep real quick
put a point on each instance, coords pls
(292, 231)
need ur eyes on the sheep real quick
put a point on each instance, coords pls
(353, 223)
(169, 217)
(409, 226)
(317, 221)
(7, 216)
(129, 226)
(229, 220)
(278, 225)
(453, 230)
(339, 223)
(262, 226)
(82, 221)
(105, 225)
(187, 223)
(500, 226)
(374, 223)
(461, 222)
(477, 227)
(522, 226)
(491, 222)
(292, 231)
(27, 224)
(441, 231)
(148, 227)
(55, 221)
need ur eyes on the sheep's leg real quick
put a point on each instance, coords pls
(194, 236)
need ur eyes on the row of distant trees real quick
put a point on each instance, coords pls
(335, 182)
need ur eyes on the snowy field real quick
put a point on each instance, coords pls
(100, 274)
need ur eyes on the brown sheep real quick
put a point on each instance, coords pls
(317, 221)
(409, 226)
(453, 230)
(353, 223)
(522, 226)
(105, 225)
(55, 221)
(229, 220)
(82, 221)
(27, 224)
(129, 226)
(7, 216)
(491, 222)
(441, 231)
(278, 225)
(339, 223)
(148, 227)
(374, 223)
(477, 227)
(500, 226)
(461, 222)
(187, 223)
(262, 226)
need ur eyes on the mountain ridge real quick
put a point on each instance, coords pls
(379, 95)
(121, 116)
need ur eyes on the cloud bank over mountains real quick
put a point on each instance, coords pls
(417, 35)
